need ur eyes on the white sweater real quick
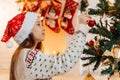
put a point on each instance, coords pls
(34, 64)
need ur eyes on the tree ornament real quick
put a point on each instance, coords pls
(96, 45)
(52, 16)
(91, 43)
(91, 23)
(67, 17)
(89, 77)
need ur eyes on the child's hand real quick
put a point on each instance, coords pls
(84, 17)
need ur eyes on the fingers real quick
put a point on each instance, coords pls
(84, 17)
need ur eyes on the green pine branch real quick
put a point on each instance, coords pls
(107, 71)
(108, 39)
(90, 51)
(103, 5)
(117, 25)
(92, 59)
(112, 60)
(110, 70)
(101, 31)
(106, 44)
(94, 11)
(86, 58)
(97, 64)
(83, 6)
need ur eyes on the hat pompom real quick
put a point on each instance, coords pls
(9, 44)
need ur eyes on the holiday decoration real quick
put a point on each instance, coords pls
(90, 43)
(43, 7)
(106, 48)
(50, 11)
(18, 29)
(91, 23)
(28, 6)
(96, 54)
(107, 62)
(96, 45)
(114, 53)
(52, 16)
(67, 17)
(89, 77)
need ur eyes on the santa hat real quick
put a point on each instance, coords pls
(19, 27)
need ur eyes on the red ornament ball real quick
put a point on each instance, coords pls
(91, 23)
(91, 43)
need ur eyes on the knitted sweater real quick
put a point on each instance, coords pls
(33, 64)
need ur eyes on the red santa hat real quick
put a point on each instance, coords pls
(19, 27)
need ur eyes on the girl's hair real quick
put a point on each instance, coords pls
(27, 43)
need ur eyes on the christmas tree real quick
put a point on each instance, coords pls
(107, 37)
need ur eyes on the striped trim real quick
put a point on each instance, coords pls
(30, 57)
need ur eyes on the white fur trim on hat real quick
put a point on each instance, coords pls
(26, 28)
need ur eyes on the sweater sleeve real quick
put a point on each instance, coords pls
(42, 65)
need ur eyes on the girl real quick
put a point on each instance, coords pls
(29, 62)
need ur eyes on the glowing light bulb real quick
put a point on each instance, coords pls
(54, 52)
